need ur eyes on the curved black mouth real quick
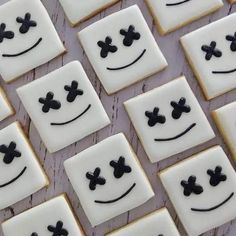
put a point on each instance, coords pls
(16, 178)
(77, 117)
(117, 199)
(176, 3)
(25, 51)
(224, 71)
(123, 67)
(214, 207)
(177, 136)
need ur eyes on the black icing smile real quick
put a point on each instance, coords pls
(224, 71)
(117, 199)
(14, 179)
(176, 3)
(130, 64)
(25, 51)
(177, 136)
(214, 207)
(77, 117)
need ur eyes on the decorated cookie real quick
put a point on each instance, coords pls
(202, 190)
(108, 179)
(173, 14)
(20, 172)
(122, 49)
(63, 104)
(169, 116)
(158, 223)
(79, 10)
(28, 38)
(6, 109)
(52, 218)
(225, 118)
(211, 53)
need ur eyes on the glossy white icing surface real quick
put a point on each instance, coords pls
(158, 223)
(219, 200)
(81, 117)
(128, 190)
(38, 219)
(161, 98)
(213, 84)
(79, 10)
(171, 15)
(141, 58)
(32, 179)
(49, 47)
(5, 108)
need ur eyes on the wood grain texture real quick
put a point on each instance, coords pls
(53, 163)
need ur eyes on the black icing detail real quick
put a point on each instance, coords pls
(106, 47)
(120, 168)
(95, 179)
(211, 51)
(130, 64)
(191, 186)
(130, 35)
(224, 71)
(73, 91)
(5, 34)
(26, 23)
(179, 108)
(154, 117)
(214, 207)
(176, 3)
(34, 234)
(58, 230)
(9, 152)
(117, 199)
(232, 39)
(216, 176)
(49, 103)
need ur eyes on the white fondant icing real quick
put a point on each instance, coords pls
(5, 108)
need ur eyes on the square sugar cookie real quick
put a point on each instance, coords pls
(122, 49)
(80, 10)
(108, 179)
(211, 53)
(158, 223)
(52, 218)
(168, 116)
(202, 190)
(170, 15)
(20, 171)
(63, 104)
(28, 38)
(225, 118)
(6, 109)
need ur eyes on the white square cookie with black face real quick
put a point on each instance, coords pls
(211, 51)
(28, 38)
(108, 179)
(6, 109)
(173, 14)
(122, 49)
(63, 104)
(79, 10)
(158, 223)
(202, 190)
(169, 116)
(52, 218)
(20, 172)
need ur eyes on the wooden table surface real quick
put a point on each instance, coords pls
(53, 163)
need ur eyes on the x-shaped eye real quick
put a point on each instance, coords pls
(154, 117)
(191, 186)
(58, 230)
(130, 35)
(9, 152)
(26, 23)
(211, 51)
(120, 168)
(106, 47)
(49, 103)
(179, 108)
(95, 178)
(73, 91)
(232, 39)
(5, 34)
(216, 176)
